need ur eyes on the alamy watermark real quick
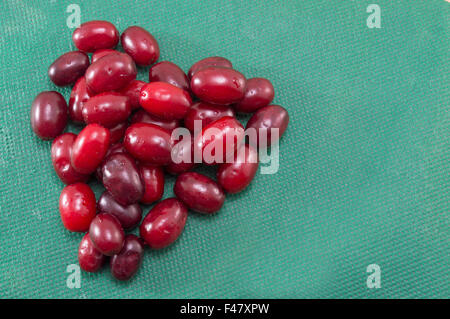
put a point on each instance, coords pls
(74, 279)
(374, 18)
(74, 19)
(374, 279)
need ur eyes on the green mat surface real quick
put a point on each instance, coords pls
(364, 164)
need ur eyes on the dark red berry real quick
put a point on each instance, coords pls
(121, 177)
(68, 68)
(48, 114)
(199, 192)
(259, 92)
(264, 120)
(140, 45)
(169, 72)
(107, 234)
(129, 216)
(164, 223)
(126, 263)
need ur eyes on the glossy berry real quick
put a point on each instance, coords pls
(207, 62)
(107, 109)
(169, 72)
(218, 85)
(60, 153)
(133, 92)
(164, 223)
(264, 120)
(165, 100)
(89, 148)
(142, 116)
(148, 143)
(101, 53)
(77, 207)
(113, 149)
(237, 175)
(140, 45)
(48, 114)
(259, 92)
(199, 192)
(129, 216)
(68, 68)
(127, 262)
(122, 179)
(106, 234)
(89, 257)
(111, 72)
(205, 113)
(153, 178)
(95, 35)
(219, 140)
(78, 97)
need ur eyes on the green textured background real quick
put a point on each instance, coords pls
(364, 165)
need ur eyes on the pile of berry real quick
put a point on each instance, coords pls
(129, 140)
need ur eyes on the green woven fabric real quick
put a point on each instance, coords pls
(364, 164)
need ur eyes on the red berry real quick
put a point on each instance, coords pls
(128, 216)
(148, 143)
(153, 178)
(126, 263)
(264, 120)
(219, 140)
(68, 68)
(169, 72)
(111, 72)
(165, 100)
(164, 223)
(89, 258)
(218, 85)
(48, 114)
(120, 176)
(95, 35)
(235, 176)
(140, 45)
(77, 207)
(107, 234)
(259, 92)
(78, 97)
(199, 192)
(60, 153)
(107, 109)
(90, 148)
